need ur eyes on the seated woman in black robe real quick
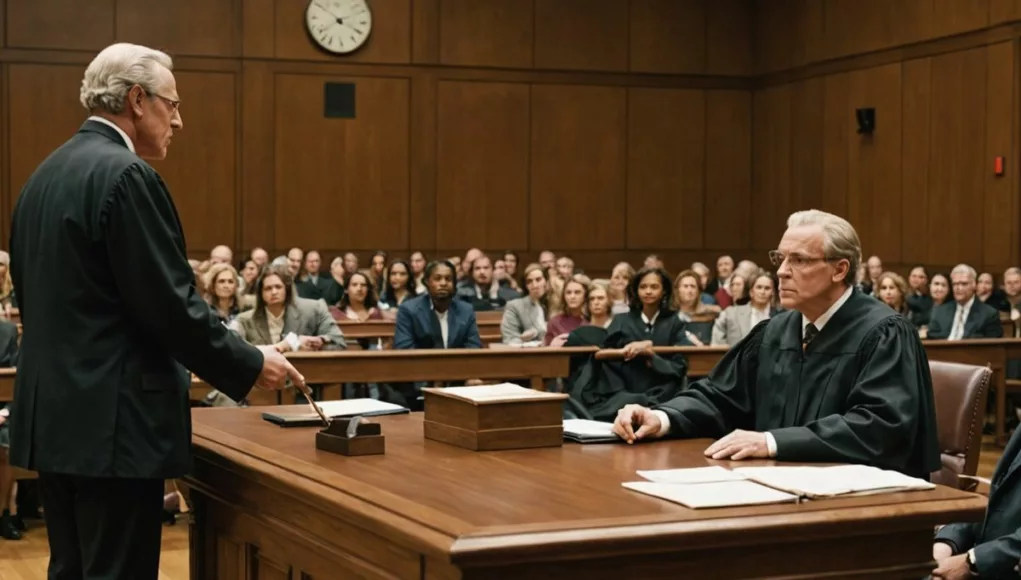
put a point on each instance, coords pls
(599, 388)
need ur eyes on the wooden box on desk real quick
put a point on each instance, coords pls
(512, 418)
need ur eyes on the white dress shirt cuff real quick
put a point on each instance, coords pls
(770, 444)
(664, 423)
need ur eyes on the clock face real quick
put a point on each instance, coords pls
(339, 26)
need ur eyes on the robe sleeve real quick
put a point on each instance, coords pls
(620, 334)
(723, 401)
(157, 286)
(889, 408)
(961, 536)
(997, 558)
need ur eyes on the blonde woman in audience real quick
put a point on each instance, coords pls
(599, 304)
(574, 299)
(620, 277)
(690, 308)
(7, 300)
(734, 323)
(221, 283)
(399, 287)
(892, 290)
(524, 319)
(418, 262)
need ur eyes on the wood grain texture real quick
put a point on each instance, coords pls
(363, 514)
(581, 35)
(335, 165)
(1000, 206)
(915, 155)
(258, 29)
(192, 27)
(201, 166)
(60, 24)
(482, 182)
(258, 97)
(727, 209)
(729, 37)
(771, 151)
(666, 147)
(578, 161)
(43, 115)
(667, 36)
(498, 33)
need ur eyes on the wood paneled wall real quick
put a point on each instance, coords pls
(604, 128)
(943, 78)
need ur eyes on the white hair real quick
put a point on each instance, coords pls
(840, 240)
(964, 269)
(116, 69)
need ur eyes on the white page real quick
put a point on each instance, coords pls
(587, 428)
(712, 495)
(354, 407)
(692, 475)
(833, 481)
(496, 392)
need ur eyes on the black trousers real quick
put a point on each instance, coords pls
(102, 528)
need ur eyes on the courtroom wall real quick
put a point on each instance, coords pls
(942, 76)
(604, 128)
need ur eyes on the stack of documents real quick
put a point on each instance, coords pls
(586, 431)
(708, 487)
(334, 410)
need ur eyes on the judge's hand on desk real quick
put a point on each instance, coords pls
(636, 416)
(739, 445)
(276, 370)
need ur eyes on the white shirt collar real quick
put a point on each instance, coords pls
(127, 140)
(652, 322)
(967, 305)
(825, 316)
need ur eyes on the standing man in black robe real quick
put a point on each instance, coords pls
(838, 377)
(110, 314)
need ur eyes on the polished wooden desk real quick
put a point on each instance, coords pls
(489, 332)
(269, 505)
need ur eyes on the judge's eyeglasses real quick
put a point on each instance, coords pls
(796, 261)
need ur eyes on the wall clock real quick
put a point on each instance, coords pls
(338, 26)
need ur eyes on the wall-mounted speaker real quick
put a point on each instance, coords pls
(866, 120)
(339, 100)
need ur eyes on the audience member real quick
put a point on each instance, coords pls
(736, 322)
(399, 286)
(525, 319)
(360, 302)
(548, 259)
(572, 315)
(260, 257)
(964, 316)
(436, 319)
(221, 283)
(599, 304)
(620, 277)
(418, 262)
(295, 261)
(311, 283)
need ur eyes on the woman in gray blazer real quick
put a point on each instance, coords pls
(524, 319)
(735, 322)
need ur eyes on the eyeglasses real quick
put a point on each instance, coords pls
(796, 261)
(175, 105)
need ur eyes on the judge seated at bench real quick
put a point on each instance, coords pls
(838, 377)
(965, 316)
(990, 548)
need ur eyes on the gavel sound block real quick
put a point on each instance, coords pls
(368, 439)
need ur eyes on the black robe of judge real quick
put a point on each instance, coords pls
(600, 388)
(860, 392)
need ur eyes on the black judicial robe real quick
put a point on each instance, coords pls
(860, 393)
(601, 388)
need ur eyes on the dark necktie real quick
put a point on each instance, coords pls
(810, 333)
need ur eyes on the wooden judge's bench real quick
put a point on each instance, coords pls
(268, 505)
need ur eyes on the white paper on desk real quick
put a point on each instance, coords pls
(494, 392)
(692, 475)
(835, 480)
(712, 495)
(587, 428)
(352, 407)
